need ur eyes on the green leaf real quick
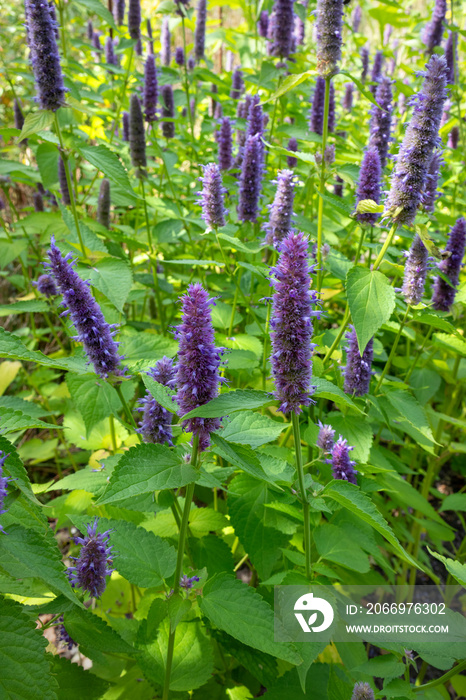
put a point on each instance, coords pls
(366, 206)
(205, 520)
(93, 633)
(367, 94)
(212, 553)
(108, 162)
(145, 468)
(455, 501)
(112, 277)
(36, 121)
(357, 432)
(253, 429)
(142, 350)
(289, 83)
(335, 545)
(31, 306)
(94, 398)
(47, 160)
(74, 682)
(96, 7)
(162, 394)
(14, 467)
(453, 344)
(240, 456)
(327, 390)
(371, 301)
(455, 568)
(25, 673)
(241, 612)
(410, 417)
(12, 420)
(350, 497)
(92, 244)
(230, 402)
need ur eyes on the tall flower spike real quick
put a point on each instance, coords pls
(90, 30)
(96, 42)
(151, 89)
(362, 691)
(137, 135)
(291, 161)
(454, 137)
(91, 567)
(348, 97)
(134, 19)
(317, 110)
(19, 116)
(338, 187)
(156, 420)
(281, 210)
(433, 32)
(250, 183)
(364, 53)
(93, 330)
(46, 286)
(381, 120)
(369, 184)
(421, 137)
(356, 18)
(103, 204)
(45, 58)
(376, 73)
(342, 465)
(444, 294)
(237, 84)
(62, 181)
(358, 370)
(149, 34)
(329, 23)
(3, 485)
(119, 11)
(293, 307)
(451, 57)
(282, 29)
(125, 121)
(179, 56)
(225, 145)
(211, 197)
(110, 57)
(263, 24)
(199, 34)
(326, 437)
(429, 194)
(415, 272)
(38, 201)
(255, 118)
(165, 41)
(168, 111)
(197, 372)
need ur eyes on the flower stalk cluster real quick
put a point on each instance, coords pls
(358, 370)
(156, 421)
(91, 567)
(212, 197)
(445, 292)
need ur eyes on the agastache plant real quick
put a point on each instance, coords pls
(430, 194)
(119, 11)
(376, 73)
(421, 137)
(103, 203)
(356, 18)
(451, 57)
(134, 19)
(329, 25)
(199, 34)
(263, 24)
(433, 32)
(291, 161)
(46, 286)
(165, 40)
(225, 145)
(281, 209)
(364, 53)
(110, 57)
(168, 111)
(358, 370)
(4, 480)
(63, 182)
(250, 184)
(368, 186)
(237, 84)
(381, 119)
(156, 421)
(444, 292)
(325, 438)
(125, 125)
(348, 97)
(179, 56)
(212, 196)
(362, 691)
(45, 58)
(282, 30)
(137, 136)
(93, 330)
(91, 567)
(342, 465)
(318, 107)
(151, 89)
(416, 266)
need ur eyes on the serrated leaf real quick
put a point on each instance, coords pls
(47, 160)
(253, 429)
(357, 432)
(455, 501)
(12, 420)
(92, 632)
(241, 612)
(230, 402)
(30, 306)
(162, 394)
(455, 568)
(327, 390)
(240, 456)
(25, 669)
(333, 544)
(112, 277)
(108, 162)
(142, 350)
(12, 348)
(94, 398)
(36, 121)
(408, 412)
(371, 301)
(75, 683)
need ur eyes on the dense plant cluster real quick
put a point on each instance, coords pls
(233, 346)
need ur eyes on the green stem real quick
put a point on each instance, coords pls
(443, 679)
(186, 82)
(300, 470)
(320, 210)
(336, 342)
(179, 565)
(393, 350)
(418, 354)
(127, 410)
(385, 246)
(153, 263)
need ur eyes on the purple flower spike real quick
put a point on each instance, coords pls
(451, 57)
(362, 691)
(255, 116)
(364, 53)
(453, 138)
(96, 42)
(369, 184)
(93, 330)
(151, 89)
(433, 33)
(376, 71)
(342, 465)
(156, 420)
(179, 56)
(119, 11)
(329, 23)
(291, 161)
(125, 121)
(356, 18)
(213, 191)
(187, 582)
(318, 104)
(263, 24)
(199, 34)
(149, 34)
(90, 30)
(444, 294)
(165, 40)
(45, 58)
(19, 116)
(134, 19)
(3, 485)
(38, 201)
(91, 568)
(46, 286)
(381, 120)
(103, 204)
(225, 145)
(250, 180)
(64, 637)
(338, 187)
(168, 111)
(137, 135)
(358, 370)
(237, 84)
(415, 272)
(429, 194)
(421, 137)
(326, 437)
(110, 52)
(197, 371)
(348, 97)
(281, 30)
(291, 323)
(281, 210)
(65, 193)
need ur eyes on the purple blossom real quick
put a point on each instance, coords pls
(119, 11)
(291, 324)
(364, 53)
(125, 122)
(358, 370)
(156, 420)
(65, 193)
(381, 120)
(415, 272)
(179, 56)
(281, 210)
(299, 30)
(348, 97)
(356, 18)
(93, 330)
(138, 47)
(433, 32)
(45, 58)
(64, 637)
(187, 582)
(237, 84)
(110, 52)
(199, 34)
(212, 196)
(134, 19)
(451, 57)
(281, 30)
(3, 485)
(149, 34)
(369, 184)
(329, 22)
(421, 137)
(225, 145)
(38, 201)
(46, 286)
(429, 194)
(376, 71)
(250, 183)
(444, 294)
(91, 567)
(255, 117)
(338, 187)
(137, 135)
(326, 437)
(291, 161)
(453, 138)
(90, 30)
(168, 111)
(151, 89)
(263, 24)
(362, 691)
(318, 105)
(197, 371)
(342, 465)
(165, 41)
(191, 63)
(103, 203)
(19, 116)
(96, 42)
